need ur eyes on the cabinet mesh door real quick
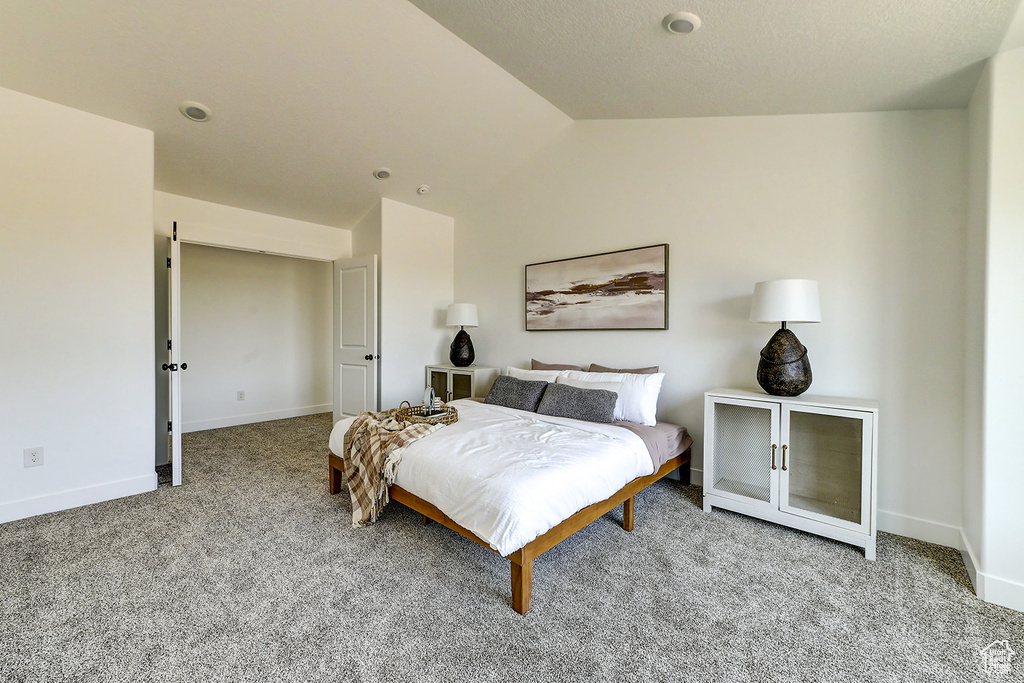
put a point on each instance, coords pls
(743, 451)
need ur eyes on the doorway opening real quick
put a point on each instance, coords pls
(256, 334)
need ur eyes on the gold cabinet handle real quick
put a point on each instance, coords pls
(784, 457)
(773, 457)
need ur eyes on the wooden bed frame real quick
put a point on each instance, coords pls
(522, 559)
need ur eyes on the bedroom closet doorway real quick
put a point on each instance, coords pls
(250, 332)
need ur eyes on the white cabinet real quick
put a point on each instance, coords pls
(450, 382)
(807, 462)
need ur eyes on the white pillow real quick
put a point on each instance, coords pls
(638, 397)
(534, 375)
(582, 384)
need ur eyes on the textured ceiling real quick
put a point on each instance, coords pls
(612, 60)
(309, 97)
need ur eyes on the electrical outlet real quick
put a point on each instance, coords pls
(241, 396)
(34, 456)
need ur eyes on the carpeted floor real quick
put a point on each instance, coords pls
(250, 572)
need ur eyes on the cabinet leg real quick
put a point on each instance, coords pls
(869, 550)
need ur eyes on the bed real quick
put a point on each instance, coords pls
(519, 482)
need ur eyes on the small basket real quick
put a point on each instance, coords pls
(410, 413)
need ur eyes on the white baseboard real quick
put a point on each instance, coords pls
(64, 500)
(893, 523)
(1001, 591)
(250, 418)
(989, 588)
(970, 562)
(921, 529)
(697, 477)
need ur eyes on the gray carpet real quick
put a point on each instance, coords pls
(250, 572)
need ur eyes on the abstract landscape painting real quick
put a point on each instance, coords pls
(623, 290)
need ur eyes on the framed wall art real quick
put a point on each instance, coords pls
(619, 290)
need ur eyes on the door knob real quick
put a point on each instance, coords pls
(184, 366)
(173, 367)
(368, 356)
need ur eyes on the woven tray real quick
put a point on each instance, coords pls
(410, 413)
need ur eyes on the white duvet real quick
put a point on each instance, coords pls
(510, 475)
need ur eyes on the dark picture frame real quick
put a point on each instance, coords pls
(615, 290)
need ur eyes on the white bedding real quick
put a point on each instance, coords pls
(509, 475)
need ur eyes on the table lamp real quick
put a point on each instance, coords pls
(462, 315)
(784, 369)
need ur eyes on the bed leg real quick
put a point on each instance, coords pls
(628, 509)
(522, 585)
(334, 479)
(425, 520)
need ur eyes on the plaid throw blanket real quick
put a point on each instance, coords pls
(373, 448)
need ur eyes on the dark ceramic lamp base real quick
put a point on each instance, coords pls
(784, 369)
(461, 354)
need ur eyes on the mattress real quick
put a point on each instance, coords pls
(509, 475)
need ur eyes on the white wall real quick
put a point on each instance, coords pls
(416, 286)
(255, 323)
(979, 131)
(218, 225)
(366, 236)
(76, 291)
(994, 464)
(870, 205)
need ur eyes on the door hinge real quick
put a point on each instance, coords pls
(168, 344)
(168, 426)
(168, 261)
(174, 231)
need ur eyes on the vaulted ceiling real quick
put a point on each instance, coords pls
(308, 98)
(614, 60)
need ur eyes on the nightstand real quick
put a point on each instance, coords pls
(450, 382)
(807, 462)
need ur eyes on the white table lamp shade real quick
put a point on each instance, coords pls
(792, 301)
(462, 315)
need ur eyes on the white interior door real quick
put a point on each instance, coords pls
(175, 365)
(355, 336)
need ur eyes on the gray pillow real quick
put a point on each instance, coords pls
(512, 392)
(537, 365)
(565, 400)
(594, 367)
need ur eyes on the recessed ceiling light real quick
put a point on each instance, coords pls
(681, 22)
(195, 111)
(382, 173)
